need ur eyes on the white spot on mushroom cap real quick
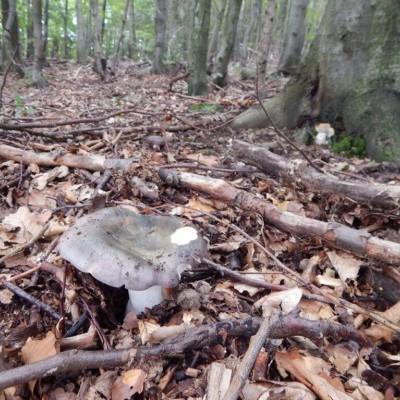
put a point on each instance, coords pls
(184, 235)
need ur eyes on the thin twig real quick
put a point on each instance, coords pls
(283, 136)
(256, 283)
(6, 72)
(246, 365)
(33, 300)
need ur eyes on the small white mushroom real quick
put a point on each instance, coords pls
(143, 253)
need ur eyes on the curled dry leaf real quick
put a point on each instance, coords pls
(128, 384)
(313, 372)
(284, 301)
(20, 227)
(251, 290)
(6, 296)
(40, 349)
(277, 390)
(346, 266)
(146, 328)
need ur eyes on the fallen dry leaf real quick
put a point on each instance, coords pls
(128, 384)
(284, 301)
(313, 372)
(40, 349)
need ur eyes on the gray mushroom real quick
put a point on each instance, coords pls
(143, 253)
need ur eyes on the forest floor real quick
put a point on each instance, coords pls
(334, 325)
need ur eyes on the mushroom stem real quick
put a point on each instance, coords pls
(140, 299)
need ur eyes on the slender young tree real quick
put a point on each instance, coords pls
(11, 46)
(264, 46)
(161, 36)
(121, 35)
(81, 45)
(28, 30)
(216, 19)
(198, 43)
(255, 9)
(45, 26)
(39, 57)
(228, 37)
(132, 49)
(282, 11)
(97, 43)
(294, 37)
(66, 36)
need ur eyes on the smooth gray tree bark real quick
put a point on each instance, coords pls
(132, 48)
(350, 78)
(264, 46)
(39, 57)
(161, 36)
(228, 37)
(215, 33)
(97, 43)
(81, 43)
(198, 44)
(11, 46)
(250, 24)
(66, 36)
(294, 37)
(45, 26)
(121, 35)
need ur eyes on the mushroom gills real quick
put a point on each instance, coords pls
(139, 300)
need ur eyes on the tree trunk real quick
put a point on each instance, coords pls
(38, 59)
(121, 36)
(346, 80)
(213, 45)
(231, 19)
(66, 38)
(198, 44)
(97, 43)
(103, 20)
(294, 37)
(161, 39)
(255, 8)
(81, 46)
(45, 26)
(132, 31)
(263, 47)
(280, 25)
(12, 52)
(29, 31)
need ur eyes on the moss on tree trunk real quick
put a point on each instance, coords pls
(350, 78)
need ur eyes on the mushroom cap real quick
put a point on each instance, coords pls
(121, 248)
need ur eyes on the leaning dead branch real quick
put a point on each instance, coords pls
(290, 171)
(192, 338)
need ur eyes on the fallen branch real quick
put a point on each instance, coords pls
(192, 338)
(26, 296)
(298, 172)
(247, 363)
(55, 158)
(334, 234)
(256, 283)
